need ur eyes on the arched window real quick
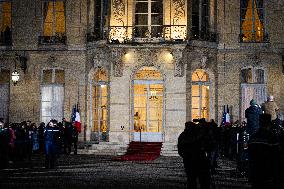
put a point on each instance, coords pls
(200, 95)
(52, 94)
(148, 90)
(252, 87)
(100, 107)
(4, 94)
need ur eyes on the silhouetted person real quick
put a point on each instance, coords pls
(252, 114)
(264, 156)
(5, 138)
(68, 136)
(193, 147)
(270, 107)
(41, 137)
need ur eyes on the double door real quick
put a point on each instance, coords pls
(147, 110)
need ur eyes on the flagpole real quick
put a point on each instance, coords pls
(78, 97)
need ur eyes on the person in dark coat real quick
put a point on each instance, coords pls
(41, 129)
(264, 156)
(193, 147)
(52, 142)
(5, 138)
(75, 134)
(252, 114)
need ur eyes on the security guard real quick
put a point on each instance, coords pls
(52, 142)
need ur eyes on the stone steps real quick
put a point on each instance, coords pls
(105, 148)
(169, 149)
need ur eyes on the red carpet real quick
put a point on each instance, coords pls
(141, 151)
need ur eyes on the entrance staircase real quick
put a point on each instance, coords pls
(141, 151)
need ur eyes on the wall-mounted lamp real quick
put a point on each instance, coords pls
(15, 75)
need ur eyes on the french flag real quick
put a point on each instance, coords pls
(76, 118)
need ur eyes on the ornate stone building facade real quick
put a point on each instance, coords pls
(138, 69)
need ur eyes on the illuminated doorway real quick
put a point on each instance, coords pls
(100, 107)
(148, 95)
(200, 95)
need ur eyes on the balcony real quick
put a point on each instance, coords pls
(136, 34)
(203, 36)
(52, 40)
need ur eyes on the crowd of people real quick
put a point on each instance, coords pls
(19, 141)
(257, 146)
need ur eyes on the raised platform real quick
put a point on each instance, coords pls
(141, 151)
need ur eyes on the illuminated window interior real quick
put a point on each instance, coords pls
(100, 105)
(5, 22)
(200, 92)
(54, 18)
(6, 15)
(252, 20)
(148, 100)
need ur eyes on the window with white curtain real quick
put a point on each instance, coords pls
(252, 87)
(52, 95)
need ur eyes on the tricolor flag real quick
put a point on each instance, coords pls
(76, 118)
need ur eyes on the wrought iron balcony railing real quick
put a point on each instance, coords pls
(52, 40)
(203, 36)
(132, 34)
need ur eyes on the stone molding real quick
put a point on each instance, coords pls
(118, 66)
(178, 63)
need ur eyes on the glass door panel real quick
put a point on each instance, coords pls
(205, 102)
(200, 101)
(100, 112)
(148, 107)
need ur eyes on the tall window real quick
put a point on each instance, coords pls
(148, 18)
(53, 21)
(97, 15)
(100, 107)
(200, 92)
(252, 87)
(4, 94)
(252, 21)
(200, 19)
(5, 22)
(52, 94)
